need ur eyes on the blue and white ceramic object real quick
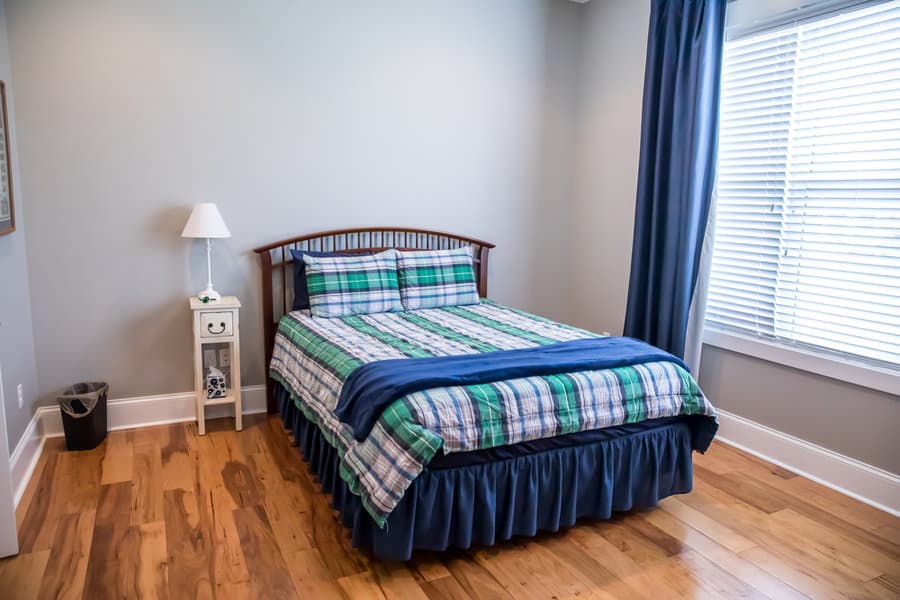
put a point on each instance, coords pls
(215, 383)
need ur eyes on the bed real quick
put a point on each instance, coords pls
(456, 461)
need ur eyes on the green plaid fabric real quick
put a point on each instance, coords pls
(342, 286)
(313, 358)
(435, 278)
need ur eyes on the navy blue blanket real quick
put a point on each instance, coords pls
(374, 386)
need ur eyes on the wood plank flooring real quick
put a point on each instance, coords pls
(164, 513)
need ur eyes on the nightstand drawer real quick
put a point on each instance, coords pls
(216, 324)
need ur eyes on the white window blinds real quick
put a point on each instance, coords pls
(807, 237)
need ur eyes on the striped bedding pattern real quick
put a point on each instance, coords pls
(313, 357)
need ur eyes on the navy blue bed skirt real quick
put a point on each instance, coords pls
(482, 504)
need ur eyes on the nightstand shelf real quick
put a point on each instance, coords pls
(229, 399)
(217, 322)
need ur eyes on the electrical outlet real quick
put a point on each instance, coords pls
(209, 358)
(224, 358)
(21, 395)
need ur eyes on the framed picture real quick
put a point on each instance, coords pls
(7, 209)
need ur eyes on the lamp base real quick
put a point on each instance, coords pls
(211, 294)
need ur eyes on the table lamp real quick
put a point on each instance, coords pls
(206, 222)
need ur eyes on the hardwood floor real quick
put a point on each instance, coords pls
(164, 513)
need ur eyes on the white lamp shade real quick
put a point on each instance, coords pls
(205, 222)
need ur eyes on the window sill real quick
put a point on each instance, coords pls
(861, 374)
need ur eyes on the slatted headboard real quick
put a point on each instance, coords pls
(278, 270)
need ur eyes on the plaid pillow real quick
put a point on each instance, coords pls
(433, 278)
(340, 286)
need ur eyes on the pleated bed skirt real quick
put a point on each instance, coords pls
(488, 502)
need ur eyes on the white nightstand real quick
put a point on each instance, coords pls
(216, 322)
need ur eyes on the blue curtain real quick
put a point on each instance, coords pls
(677, 167)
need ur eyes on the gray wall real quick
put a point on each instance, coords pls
(16, 342)
(293, 117)
(612, 73)
(550, 275)
(854, 421)
(846, 418)
(514, 120)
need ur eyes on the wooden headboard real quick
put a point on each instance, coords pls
(278, 270)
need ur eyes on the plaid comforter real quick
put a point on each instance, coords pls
(314, 356)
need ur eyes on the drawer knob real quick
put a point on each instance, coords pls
(209, 328)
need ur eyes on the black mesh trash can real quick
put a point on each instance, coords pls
(83, 409)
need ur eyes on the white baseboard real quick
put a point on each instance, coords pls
(25, 456)
(146, 411)
(849, 476)
(874, 486)
(123, 413)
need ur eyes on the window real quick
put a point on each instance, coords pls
(807, 230)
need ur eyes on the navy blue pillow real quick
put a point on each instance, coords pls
(301, 292)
